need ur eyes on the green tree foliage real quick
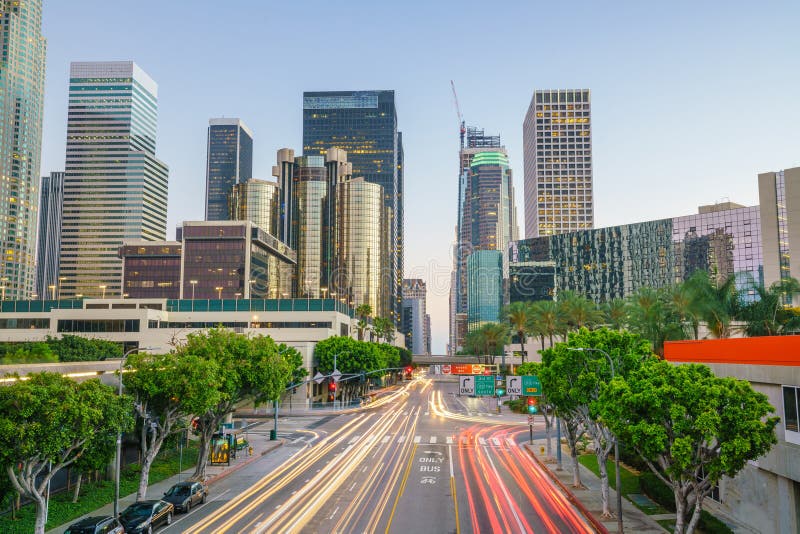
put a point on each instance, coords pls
(578, 311)
(689, 426)
(248, 369)
(547, 320)
(406, 358)
(49, 420)
(81, 349)
(519, 318)
(167, 389)
(615, 313)
(488, 341)
(355, 358)
(22, 353)
(363, 312)
(769, 314)
(294, 359)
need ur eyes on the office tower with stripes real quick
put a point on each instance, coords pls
(49, 238)
(230, 162)
(115, 189)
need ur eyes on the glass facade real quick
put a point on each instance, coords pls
(256, 201)
(115, 189)
(49, 239)
(484, 288)
(364, 124)
(614, 262)
(151, 270)
(22, 71)
(557, 141)
(230, 162)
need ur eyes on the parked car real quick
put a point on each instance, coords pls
(96, 525)
(185, 495)
(146, 516)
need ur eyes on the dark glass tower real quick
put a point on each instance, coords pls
(49, 239)
(230, 162)
(364, 123)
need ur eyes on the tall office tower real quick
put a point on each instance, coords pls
(364, 124)
(364, 243)
(428, 334)
(484, 288)
(229, 162)
(779, 204)
(114, 187)
(22, 69)
(414, 313)
(256, 201)
(50, 207)
(557, 141)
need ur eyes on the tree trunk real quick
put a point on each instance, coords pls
(41, 511)
(576, 474)
(698, 506)
(602, 456)
(207, 430)
(147, 463)
(680, 512)
(548, 434)
(77, 494)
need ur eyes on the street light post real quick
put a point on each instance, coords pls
(194, 284)
(275, 402)
(219, 292)
(118, 456)
(616, 440)
(103, 289)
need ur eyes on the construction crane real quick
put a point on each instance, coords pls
(460, 116)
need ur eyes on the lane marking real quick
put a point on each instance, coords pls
(402, 486)
(417, 439)
(496, 442)
(386, 438)
(401, 439)
(449, 440)
(334, 513)
(453, 488)
(481, 441)
(433, 439)
(355, 438)
(511, 442)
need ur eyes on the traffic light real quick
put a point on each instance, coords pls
(332, 386)
(500, 387)
(533, 405)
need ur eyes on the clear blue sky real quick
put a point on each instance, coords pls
(690, 100)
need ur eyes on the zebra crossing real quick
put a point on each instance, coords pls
(432, 440)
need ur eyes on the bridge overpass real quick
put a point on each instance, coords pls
(426, 359)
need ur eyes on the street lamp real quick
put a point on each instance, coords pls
(275, 402)
(103, 289)
(52, 288)
(119, 433)
(219, 292)
(60, 280)
(194, 284)
(616, 440)
(324, 291)
(237, 296)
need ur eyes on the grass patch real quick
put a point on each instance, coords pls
(629, 481)
(96, 495)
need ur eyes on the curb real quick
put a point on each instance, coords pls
(570, 496)
(220, 476)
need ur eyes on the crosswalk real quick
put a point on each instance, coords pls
(431, 440)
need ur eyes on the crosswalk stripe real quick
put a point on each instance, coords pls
(433, 439)
(449, 440)
(496, 442)
(511, 442)
(401, 439)
(427, 413)
(355, 438)
(482, 441)
(417, 439)
(386, 438)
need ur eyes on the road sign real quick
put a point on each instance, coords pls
(514, 385)
(466, 385)
(484, 386)
(531, 386)
(318, 378)
(446, 369)
(337, 374)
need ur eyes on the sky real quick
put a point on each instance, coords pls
(690, 100)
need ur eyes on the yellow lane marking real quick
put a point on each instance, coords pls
(402, 487)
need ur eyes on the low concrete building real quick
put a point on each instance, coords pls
(765, 495)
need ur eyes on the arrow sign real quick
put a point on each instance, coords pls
(514, 385)
(466, 385)
(318, 378)
(337, 374)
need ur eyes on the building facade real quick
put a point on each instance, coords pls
(416, 325)
(51, 204)
(484, 288)
(614, 262)
(779, 198)
(229, 162)
(22, 72)
(256, 201)
(151, 269)
(114, 187)
(557, 144)
(364, 124)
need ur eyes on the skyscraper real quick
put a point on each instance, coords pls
(557, 141)
(256, 201)
(230, 162)
(22, 69)
(364, 124)
(415, 326)
(50, 208)
(114, 187)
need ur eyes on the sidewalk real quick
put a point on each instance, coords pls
(633, 519)
(261, 446)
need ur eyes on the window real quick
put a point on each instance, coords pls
(790, 413)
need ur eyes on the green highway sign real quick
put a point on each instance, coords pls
(484, 386)
(531, 386)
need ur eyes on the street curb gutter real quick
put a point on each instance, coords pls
(220, 476)
(570, 496)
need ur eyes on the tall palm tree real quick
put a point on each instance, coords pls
(579, 311)
(547, 318)
(518, 315)
(615, 313)
(714, 303)
(363, 312)
(651, 316)
(495, 336)
(769, 314)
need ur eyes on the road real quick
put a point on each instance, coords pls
(419, 460)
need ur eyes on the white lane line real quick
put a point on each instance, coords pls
(353, 440)
(450, 457)
(449, 440)
(401, 439)
(511, 442)
(334, 513)
(482, 441)
(433, 439)
(505, 490)
(386, 438)
(218, 497)
(427, 413)
(417, 439)
(296, 440)
(351, 487)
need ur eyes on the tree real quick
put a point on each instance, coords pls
(578, 311)
(363, 312)
(690, 427)
(519, 317)
(495, 337)
(46, 424)
(248, 369)
(769, 314)
(651, 316)
(548, 319)
(353, 357)
(615, 313)
(535, 369)
(80, 349)
(294, 360)
(167, 388)
(712, 302)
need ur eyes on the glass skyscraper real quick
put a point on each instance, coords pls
(484, 288)
(114, 187)
(50, 208)
(256, 201)
(22, 71)
(364, 124)
(229, 162)
(557, 142)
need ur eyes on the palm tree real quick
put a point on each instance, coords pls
(518, 315)
(716, 304)
(379, 328)
(495, 336)
(363, 312)
(615, 313)
(547, 318)
(579, 311)
(650, 316)
(770, 314)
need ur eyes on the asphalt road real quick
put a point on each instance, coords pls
(419, 460)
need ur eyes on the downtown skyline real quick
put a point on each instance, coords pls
(656, 134)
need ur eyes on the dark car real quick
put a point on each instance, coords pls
(184, 495)
(146, 516)
(96, 525)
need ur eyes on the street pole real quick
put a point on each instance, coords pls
(117, 458)
(558, 444)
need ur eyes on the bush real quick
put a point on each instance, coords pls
(654, 488)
